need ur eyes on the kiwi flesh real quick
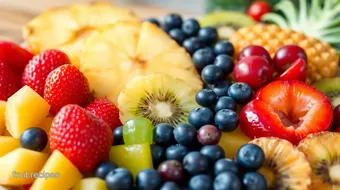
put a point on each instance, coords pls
(330, 87)
(226, 22)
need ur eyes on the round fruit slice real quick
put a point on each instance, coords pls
(159, 98)
(323, 153)
(285, 167)
(331, 87)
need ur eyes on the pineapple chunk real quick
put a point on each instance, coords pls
(18, 166)
(8, 144)
(232, 141)
(46, 126)
(2, 117)
(7, 134)
(66, 174)
(25, 109)
(90, 184)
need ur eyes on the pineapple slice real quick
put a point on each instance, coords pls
(8, 144)
(19, 166)
(66, 175)
(90, 184)
(63, 25)
(2, 117)
(25, 109)
(46, 126)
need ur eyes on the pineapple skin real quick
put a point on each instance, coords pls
(322, 58)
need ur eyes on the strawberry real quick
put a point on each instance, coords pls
(106, 111)
(9, 82)
(40, 66)
(82, 137)
(66, 85)
(14, 55)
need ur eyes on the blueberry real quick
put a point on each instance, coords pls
(119, 178)
(154, 21)
(176, 152)
(148, 179)
(254, 181)
(177, 35)
(213, 153)
(172, 21)
(206, 97)
(185, 134)
(104, 168)
(240, 92)
(225, 62)
(200, 116)
(225, 102)
(224, 47)
(190, 27)
(195, 163)
(192, 44)
(250, 156)
(34, 138)
(221, 89)
(158, 154)
(226, 165)
(163, 134)
(208, 35)
(226, 120)
(118, 136)
(201, 182)
(212, 74)
(203, 57)
(170, 186)
(227, 181)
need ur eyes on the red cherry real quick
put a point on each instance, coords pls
(254, 50)
(287, 55)
(258, 9)
(337, 129)
(297, 71)
(254, 70)
(336, 114)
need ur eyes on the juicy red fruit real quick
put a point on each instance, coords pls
(254, 50)
(336, 113)
(9, 82)
(287, 55)
(297, 71)
(14, 55)
(258, 9)
(286, 109)
(171, 170)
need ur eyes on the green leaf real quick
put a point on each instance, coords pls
(275, 18)
(289, 10)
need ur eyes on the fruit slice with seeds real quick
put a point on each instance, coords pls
(331, 87)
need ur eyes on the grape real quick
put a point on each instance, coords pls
(171, 170)
(138, 131)
(208, 135)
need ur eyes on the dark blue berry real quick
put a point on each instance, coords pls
(119, 178)
(118, 136)
(225, 62)
(185, 134)
(154, 21)
(195, 163)
(213, 153)
(158, 154)
(172, 21)
(240, 92)
(206, 97)
(254, 181)
(170, 186)
(226, 165)
(212, 74)
(176, 152)
(34, 138)
(192, 44)
(224, 47)
(225, 102)
(201, 182)
(221, 89)
(200, 116)
(226, 120)
(163, 134)
(177, 35)
(227, 181)
(203, 57)
(104, 168)
(148, 179)
(208, 35)
(250, 156)
(190, 27)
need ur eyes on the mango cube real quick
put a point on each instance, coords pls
(2, 117)
(8, 144)
(232, 141)
(90, 184)
(25, 109)
(46, 126)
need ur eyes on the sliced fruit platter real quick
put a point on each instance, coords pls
(100, 99)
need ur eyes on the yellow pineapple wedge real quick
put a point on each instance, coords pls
(322, 58)
(8, 144)
(2, 117)
(90, 184)
(25, 109)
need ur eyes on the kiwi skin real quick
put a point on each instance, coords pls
(330, 87)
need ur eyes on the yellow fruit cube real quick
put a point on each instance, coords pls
(7, 134)
(133, 157)
(25, 109)
(64, 175)
(8, 144)
(46, 126)
(20, 166)
(90, 184)
(2, 117)
(232, 141)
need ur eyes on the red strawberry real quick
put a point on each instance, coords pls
(66, 85)
(286, 109)
(40, 66)
(14, 55)
(105, 110)
(9, 82)
(82, 137)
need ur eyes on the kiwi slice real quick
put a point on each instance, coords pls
(226, 22)
(159, 98)
(331, 87)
